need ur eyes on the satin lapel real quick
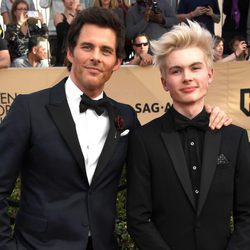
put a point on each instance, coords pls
(174, 147)
(110, 143)
(61, 115)
(209, 163)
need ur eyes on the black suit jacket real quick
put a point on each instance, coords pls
(57, 206)
(162, 213)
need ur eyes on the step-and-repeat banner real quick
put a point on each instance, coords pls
(141, 87)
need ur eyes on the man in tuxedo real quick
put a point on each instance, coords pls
(185, 181)
(69, 144)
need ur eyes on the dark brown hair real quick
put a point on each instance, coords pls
(14, 8)
(139, 35)
(217, 40)
(98, 16)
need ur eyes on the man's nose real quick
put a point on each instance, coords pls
(96, 55)
(187, 75)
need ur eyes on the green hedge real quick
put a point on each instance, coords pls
(124, 240)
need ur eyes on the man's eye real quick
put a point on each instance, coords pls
(107, 52)
(86, 47)
(196, 68)
(175, 71)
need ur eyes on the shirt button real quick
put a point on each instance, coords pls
(196, 191)
(192, 143)
(194, 167)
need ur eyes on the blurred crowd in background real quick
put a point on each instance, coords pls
(34, 32)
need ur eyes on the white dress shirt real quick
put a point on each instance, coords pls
(91, 129)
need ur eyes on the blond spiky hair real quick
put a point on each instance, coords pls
(181, 36)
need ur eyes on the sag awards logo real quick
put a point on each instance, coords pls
(6, 100)
(245, 101)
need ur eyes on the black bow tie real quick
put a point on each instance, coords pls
(201, 121)
(97, 105)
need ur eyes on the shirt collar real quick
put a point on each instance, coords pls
(74, 93)
(200, 121)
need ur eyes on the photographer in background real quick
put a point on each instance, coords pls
(205, 12)
(22, 28)
(239, 51)
(235, 44)
(152, 17)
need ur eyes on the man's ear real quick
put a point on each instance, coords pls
(69, 55)
(164, 84)
(118, 63)
(210, 76)
(34, 50)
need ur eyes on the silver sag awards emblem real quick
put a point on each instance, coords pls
(245, 101)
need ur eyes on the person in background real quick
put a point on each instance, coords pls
(185, 181)
(248, 25)
(141, 54)
(62, 23)
(205, 12)
(55, 6)
(112, 5)
(4, 54)
(1, 31)
(235, 43)
(22, 28)
(173, 4)
(154, 18)
(235, 23)
(124, 6)
(36, 56)
(219, 51)
(6, 6)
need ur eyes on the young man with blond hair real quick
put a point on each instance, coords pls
(184, 179)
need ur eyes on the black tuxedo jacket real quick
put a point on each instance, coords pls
(58, 207)
(162, 213)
